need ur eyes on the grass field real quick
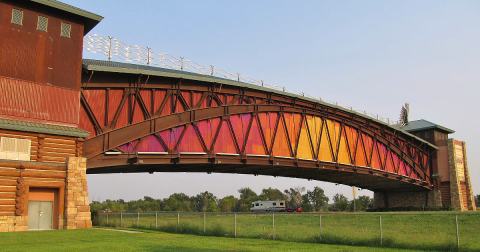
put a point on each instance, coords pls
(425, 230)
(106, 240)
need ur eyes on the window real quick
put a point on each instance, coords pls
(15, 149)
(42, 23)
(274, 203)
(281, 203)
(256, 204)
(66, 29)
(17, 17)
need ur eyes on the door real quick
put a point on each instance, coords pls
(40, 215)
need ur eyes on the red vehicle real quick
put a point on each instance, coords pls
(296, 210)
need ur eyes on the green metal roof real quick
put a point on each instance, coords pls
(127, 68)
(90, 19)
(422, 124)
(43, 128)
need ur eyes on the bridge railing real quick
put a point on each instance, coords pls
(113, 49)
(420, 230)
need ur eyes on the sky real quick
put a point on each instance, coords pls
(371, 55)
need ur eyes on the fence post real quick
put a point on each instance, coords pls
(273, 224)
(121, 219)
(458, 233)
(138, 218)
(204, 222)
(156, 219)
(235, 225)
(178, 221)
(381, 232)
(320, 236)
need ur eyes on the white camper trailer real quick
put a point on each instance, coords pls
(268, 206)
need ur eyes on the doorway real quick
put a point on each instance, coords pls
(42, 209)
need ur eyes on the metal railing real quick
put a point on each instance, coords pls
(426, 230)
(113, 49)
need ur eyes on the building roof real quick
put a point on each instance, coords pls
(89, 19)
(420, 125)
(43, 128)
(126, 68)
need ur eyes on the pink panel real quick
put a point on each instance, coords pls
(190, 141)
(149, 144)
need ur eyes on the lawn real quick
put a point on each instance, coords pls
(412, 230)
(107, 240)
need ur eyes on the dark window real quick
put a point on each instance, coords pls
(42, 23)
(256, 204)
(17, 17)
(281, 203)
(65, 30)
(274, 203)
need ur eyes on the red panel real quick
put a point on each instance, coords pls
(197, 96)
(352, 137)
(190, 141)
(96, 101)
(375, 163)
(268, 122)
(171, 136)
(207, 129)
(382, 151)
(138, 115)
(147, 99)
(149, 144)
(158, 97)
(254, 141)
(389, 165)
(31, 101)
(281, 146)
(114, 99)
(129, 147)
(86, 124)
(368, 143)
(225, 143)
(240, 125)
(360, 159)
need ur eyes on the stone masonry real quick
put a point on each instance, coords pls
(77, 209)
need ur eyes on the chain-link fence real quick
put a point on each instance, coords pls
(429, 231)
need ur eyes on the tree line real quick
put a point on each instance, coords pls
(309, 201)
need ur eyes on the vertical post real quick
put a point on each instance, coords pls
(110, 48)
(204, 222)
(235, 225)
(381, 232)
(121, 219)
(156, 219)
(178, 221)
(273, 224)
(320, 235)
(149, 51)
(138, 218)
(107, 218)
(458, 233)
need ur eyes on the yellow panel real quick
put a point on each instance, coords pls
(304, 146)
(315, 125)
(343, 154)
(324, 153)
(280, 146)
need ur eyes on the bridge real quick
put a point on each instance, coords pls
(150, 119)
(139, 110)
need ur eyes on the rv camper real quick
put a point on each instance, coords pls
(268, 206)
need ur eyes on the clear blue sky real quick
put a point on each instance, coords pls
(372, 55)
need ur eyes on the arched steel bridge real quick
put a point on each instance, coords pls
(148, 119)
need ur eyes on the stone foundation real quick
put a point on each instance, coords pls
(419, 200)
(77, 208)
(13, 223)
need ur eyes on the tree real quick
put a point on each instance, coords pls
(178, 202)
(247, 196)
(228, 204)
(340, 203)
(316, 199)
(205, 202)
(294, 196)
(362, 203)
(272, 194)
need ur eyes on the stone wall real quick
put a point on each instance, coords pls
(77, 209)
(420, 199)
(461, 194)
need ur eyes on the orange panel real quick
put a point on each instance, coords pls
(293, 127)
(254, 142)
(225, 142)
(315, 126)
(343, 153)
(304, 146)
(325, 151)
(280, 145)
(190, 141)
(240, 126)
(268, 122)
(207, 129)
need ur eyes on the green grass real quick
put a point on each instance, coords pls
(106, 240)
(414, 230)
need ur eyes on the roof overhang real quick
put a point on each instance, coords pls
(89, 19)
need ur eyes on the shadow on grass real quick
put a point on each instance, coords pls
(219, 231)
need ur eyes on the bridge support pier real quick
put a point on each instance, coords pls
(77, 208)
(408, 200)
